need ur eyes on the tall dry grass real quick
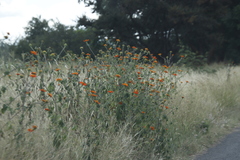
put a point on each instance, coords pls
(201, 108)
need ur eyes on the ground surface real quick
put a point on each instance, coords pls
(227, 149)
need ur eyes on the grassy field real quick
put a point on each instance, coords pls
(121, 105)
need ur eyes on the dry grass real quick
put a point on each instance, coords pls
(209, 109)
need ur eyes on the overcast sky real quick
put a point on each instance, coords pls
(15, 14)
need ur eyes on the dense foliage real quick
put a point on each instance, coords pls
(209, 28)
(40, 34)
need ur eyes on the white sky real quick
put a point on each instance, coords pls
(15, 14)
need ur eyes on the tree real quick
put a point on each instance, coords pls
(36, 27)
(160, 25)
(40, 34)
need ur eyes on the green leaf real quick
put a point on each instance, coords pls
(4, 108)
(51, 87)
(3, 89)
(6, 73)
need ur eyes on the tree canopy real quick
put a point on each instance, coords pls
(161, 25)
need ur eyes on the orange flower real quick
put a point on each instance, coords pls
(96, 101)
(88, 54)
(120, 103)
(34, 127)
(174, 74)
(151, 84)
(30, 130)
(94, 95)
(83, 83)
(154, 57)
(134, 58)
(110, 91)
(47, 109)
(59, 79)
(93, 91)
(143, 112)
(118, 48)
(125, 84)
(135, 91)
(187, 81)
(32, 75)
(165, 66)
(118, 40)
(49, 94)
(134, 47)
(166, 71)
(57, 69)
(136, 55)
(151, 78)
(18, 74)
(33, 52)
(75, 73)
(86, 40)
(152, 128)
(117, 75)
(182, 56)
(160, 80)
(141, 68)
(42, 90)
(166, 107)
(138, 72)
(152, 71)
(44, 100)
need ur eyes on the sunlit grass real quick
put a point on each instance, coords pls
(120, 105)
